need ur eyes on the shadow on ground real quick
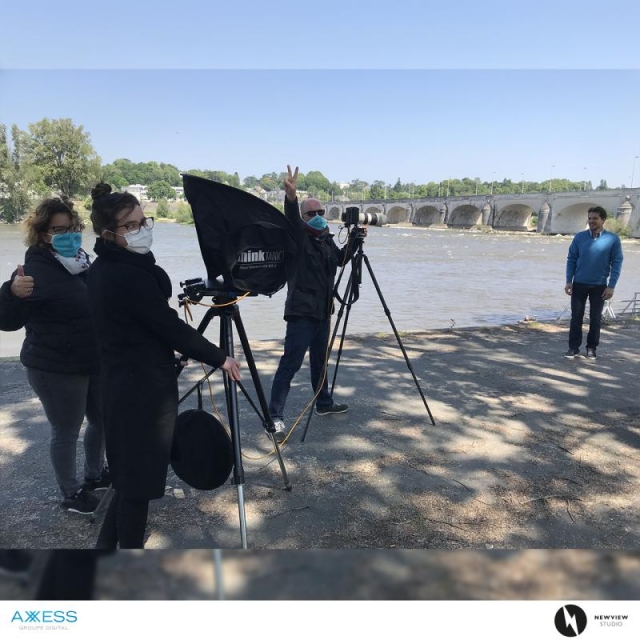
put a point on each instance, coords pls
(363, 575)
(530, 450)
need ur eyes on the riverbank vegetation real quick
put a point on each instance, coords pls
(56, 156)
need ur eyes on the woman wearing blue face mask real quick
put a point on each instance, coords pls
(48, 297)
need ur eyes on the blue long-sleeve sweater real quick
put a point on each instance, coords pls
(593, 260)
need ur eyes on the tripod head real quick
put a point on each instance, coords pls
(198, 288)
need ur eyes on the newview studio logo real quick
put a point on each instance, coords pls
(571, 620)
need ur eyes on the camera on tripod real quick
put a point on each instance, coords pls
(352, 216)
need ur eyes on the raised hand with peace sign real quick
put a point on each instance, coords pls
(290, 183)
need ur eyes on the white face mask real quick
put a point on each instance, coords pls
(139, 242)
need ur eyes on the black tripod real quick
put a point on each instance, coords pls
(350, 297)
(226, 308)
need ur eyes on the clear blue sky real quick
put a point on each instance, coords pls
(290, 34)
(356, 90)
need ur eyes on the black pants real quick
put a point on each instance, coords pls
(302, 334)
(579, 296)
(69, 574)
(124, 524)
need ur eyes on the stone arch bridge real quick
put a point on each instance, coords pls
(550, 213)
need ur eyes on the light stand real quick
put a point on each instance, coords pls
(226, 308)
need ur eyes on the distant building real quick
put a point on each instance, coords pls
(137, 190)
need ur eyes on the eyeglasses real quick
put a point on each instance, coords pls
(56, 231)
(316, 212)
(134, 227)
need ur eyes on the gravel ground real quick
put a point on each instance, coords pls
(530, 451)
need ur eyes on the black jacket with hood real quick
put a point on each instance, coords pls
(60, 334)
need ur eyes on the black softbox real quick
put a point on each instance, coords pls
(242, 238)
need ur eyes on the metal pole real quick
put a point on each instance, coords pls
(522, 176)
(551, 178)
(633, 171)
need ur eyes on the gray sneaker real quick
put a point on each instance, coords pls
(83, 501)
(281, 431)
(334, 408)
(591, 354)
(572, 353)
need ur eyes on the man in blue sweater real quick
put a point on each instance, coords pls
(594, 256)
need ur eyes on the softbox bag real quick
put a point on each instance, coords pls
(202, 453)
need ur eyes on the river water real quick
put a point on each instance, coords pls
(430, 279)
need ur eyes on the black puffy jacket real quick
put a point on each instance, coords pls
(310, 284)
(60, 333)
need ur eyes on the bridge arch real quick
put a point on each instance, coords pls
(333, 212)
(427, 215)
(571, 218)
(515, 217)
(397, 214)
(465, 215)
(372, 209)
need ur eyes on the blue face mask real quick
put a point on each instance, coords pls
(67, 244)
(318, 223)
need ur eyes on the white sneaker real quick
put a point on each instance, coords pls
(281, 431)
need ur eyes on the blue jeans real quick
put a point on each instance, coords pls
(579, 295)
(66, 399)
(302, 334)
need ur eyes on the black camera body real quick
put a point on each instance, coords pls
(353, 216)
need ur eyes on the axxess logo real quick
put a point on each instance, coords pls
(571, 620)
(44, 616)
(259, 257)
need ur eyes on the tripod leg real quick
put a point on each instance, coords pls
(343, 304)
(268, 422)
(340, 347)
(395, 331)
(231, 392)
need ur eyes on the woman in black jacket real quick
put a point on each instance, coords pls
(48, 296)
(137, 333)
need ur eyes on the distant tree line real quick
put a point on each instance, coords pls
(56, 156)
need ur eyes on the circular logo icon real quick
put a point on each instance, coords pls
(571, 620)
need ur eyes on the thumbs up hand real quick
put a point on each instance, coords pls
(22, 286)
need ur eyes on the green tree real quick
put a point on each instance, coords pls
(160, 190)
(183, 214)
(63, 156)
(602, 186)
(250, 182)
(377, 190)
(336, 190)
(15, 197)
(269, 182)
(199, 173)
(316, 182)
(162, 210)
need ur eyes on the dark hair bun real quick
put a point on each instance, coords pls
(100, 190)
